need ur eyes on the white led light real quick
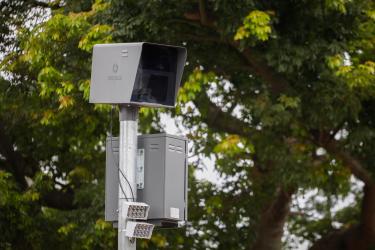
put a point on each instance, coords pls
(136, 229)
(137, 210)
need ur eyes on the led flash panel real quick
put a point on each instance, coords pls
(137, 210)
(139, 230)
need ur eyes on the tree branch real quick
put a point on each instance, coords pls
(54, 5)
(356, 237)
(277, 82)
(20, 167)
(59, 200)
(13, 159)
(368, 213)
(219, 120)
(324, 139)
(361, 236)
(202, 12)
(259, 67)
(352, 163)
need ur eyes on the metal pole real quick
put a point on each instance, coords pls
(127, 168)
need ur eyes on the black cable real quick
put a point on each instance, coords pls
(114, 158)
(131, 190)
(122, 190)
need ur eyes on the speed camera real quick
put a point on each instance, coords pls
(141, 74)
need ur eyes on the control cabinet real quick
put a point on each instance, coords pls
(161, 178)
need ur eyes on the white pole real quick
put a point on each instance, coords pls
(127, 168)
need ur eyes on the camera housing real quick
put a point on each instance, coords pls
(140, 74)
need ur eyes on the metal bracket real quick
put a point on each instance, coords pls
(140, 174)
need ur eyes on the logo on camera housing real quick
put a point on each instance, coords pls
(114, 77)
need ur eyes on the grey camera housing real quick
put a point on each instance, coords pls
(165, 175)
(141, 74)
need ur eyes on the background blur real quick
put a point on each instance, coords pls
(278, 103)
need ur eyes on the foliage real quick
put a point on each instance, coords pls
(257, 25)
(267, 87)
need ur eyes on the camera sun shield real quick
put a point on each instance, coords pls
(141, 74)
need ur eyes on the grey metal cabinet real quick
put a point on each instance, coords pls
(161, 178)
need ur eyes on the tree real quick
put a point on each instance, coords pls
(279, 92)
(51, 159)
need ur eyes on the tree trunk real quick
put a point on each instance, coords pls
(359, 237)
(272, 222)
